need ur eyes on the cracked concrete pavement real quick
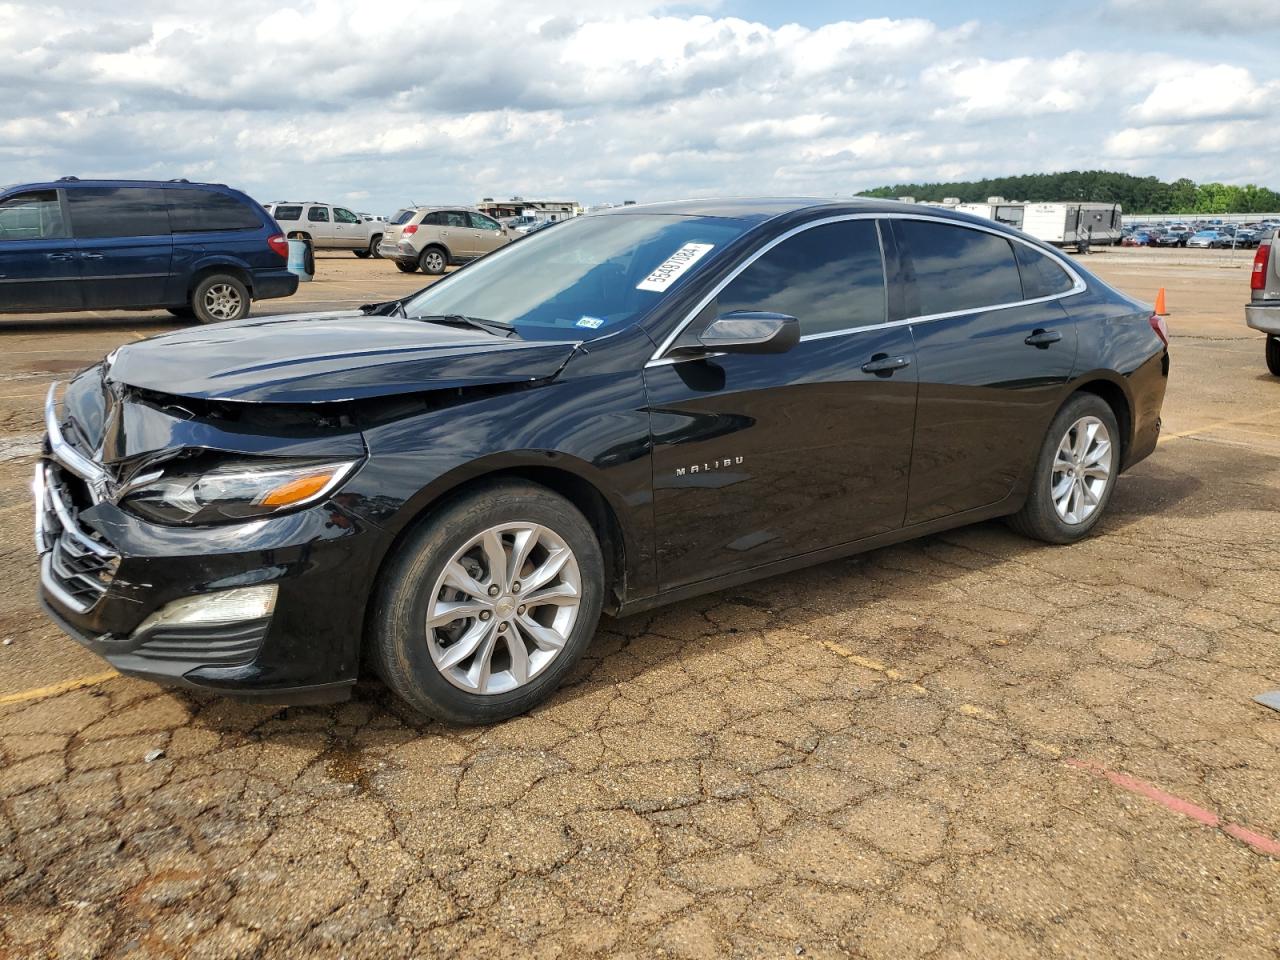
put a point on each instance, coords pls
(967, 746)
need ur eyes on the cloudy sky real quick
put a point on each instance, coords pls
(378, 104)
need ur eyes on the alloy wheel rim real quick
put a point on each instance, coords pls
(1081, 470)
(434, 261)
(503, 608)
(222, 301)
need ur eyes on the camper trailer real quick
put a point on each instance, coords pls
(1073, 224)
(996, 208)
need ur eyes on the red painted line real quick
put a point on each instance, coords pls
(1258, 841)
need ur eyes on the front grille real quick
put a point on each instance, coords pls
(76, 566)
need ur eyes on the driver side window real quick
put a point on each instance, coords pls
(341, 215)
(36, 215)
(830, 278)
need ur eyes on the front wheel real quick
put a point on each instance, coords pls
(406, 267)
(1074, 473)
(362, 253)
(488, 604)
(1273, 355)
(220, 297)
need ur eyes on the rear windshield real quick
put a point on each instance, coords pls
(403, 217)
(288, 211)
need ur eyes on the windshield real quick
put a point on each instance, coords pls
(589, 277)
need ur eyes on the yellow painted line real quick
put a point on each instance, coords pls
(1222, 423)
(54, 689)
(852, 657)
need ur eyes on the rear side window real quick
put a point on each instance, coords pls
(99, 212)
(951, 269)
(35, 215)
(318, 214)
(198, 211)
(1041, 277)
(829, 278)
(455, 218)
(436, 219)
(287, 211)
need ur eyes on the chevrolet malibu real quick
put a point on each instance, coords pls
(636, 407)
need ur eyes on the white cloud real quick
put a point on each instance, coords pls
(456, 99)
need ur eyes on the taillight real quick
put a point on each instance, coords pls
(1158, 325)
(279, 245)
(1258, 279)
(411, 228)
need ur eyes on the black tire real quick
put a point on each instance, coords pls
(182, 313)
(407, 267)
(374, 242)
(398, 639)
(433, 261)
(362, 254)
(219, 298)
(1273, 355)
(1038, 517)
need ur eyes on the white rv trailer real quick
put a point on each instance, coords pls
(1071, 224)
(996, 208)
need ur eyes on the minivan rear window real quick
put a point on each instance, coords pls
(199, 211)
(288, 211)
(98, 212)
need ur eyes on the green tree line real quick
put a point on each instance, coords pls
(1134, 194)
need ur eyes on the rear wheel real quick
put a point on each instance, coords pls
(432, 260)
(220, 297)
(374, 242)
(1273, 355)
(1074, 474)
(488, 604)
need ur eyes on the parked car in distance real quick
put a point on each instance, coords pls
(1246, 238)
(432, 238)
(1175, 236)
(1262, 313)
(522, 224)
(195, 249)
(634, 407)
(328, 227)
(1210, 239)
(1139, 238)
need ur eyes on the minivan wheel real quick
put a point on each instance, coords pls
(488, 604)
(220, 297)
(1273, 355)
(406, 267)
(1075, 473)
(432, 260)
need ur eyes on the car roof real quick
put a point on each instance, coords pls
(760, 209)
(77, 182)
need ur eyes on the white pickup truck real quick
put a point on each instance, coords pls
(1263, 310)
(327, 227)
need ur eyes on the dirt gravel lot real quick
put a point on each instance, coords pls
(971, 745)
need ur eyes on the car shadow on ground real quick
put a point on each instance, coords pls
(626, 649)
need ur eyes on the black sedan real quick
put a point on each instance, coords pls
(638, 406)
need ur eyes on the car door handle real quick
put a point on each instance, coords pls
(91, 256)
(57, 256)
(883, 363)
(1042, 338)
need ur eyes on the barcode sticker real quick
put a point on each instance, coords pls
(671, 269)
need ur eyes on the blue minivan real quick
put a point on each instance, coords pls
(198, 250)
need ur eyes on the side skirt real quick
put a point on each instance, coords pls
(1001, 508)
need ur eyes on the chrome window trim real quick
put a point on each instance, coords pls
(1078, 285)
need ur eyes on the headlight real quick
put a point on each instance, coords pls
(186, 493)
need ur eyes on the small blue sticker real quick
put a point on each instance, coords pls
(592, 322)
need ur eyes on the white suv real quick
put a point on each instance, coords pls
(327, 227)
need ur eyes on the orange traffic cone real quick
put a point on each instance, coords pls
(1160, 310)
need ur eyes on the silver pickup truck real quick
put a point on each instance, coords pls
(1263, 310)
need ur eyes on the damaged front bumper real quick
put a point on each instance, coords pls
(107, 576)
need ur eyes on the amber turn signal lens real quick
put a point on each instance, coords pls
(297, 490)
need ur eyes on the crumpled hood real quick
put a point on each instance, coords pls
(327, 357)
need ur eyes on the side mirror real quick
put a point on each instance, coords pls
(749, 331)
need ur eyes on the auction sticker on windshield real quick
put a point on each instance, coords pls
(671, 269)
